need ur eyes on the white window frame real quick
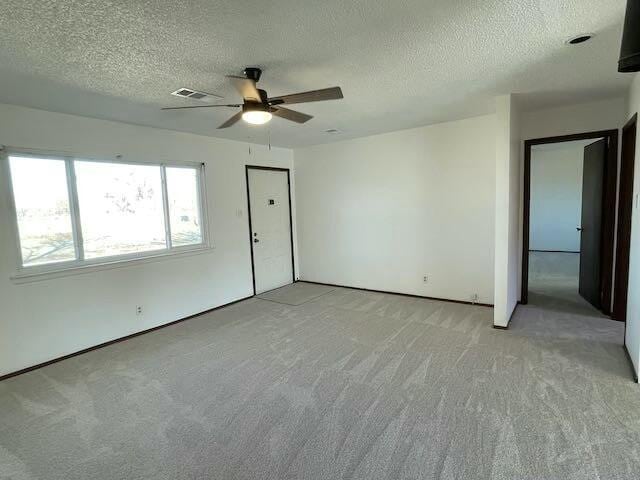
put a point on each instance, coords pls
(80, 263)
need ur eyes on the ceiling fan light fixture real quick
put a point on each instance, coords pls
(257, 107)
(256, 117)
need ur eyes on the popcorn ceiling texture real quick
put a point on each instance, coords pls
(401, 64)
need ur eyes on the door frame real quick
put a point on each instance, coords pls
(608, 210)
(272, 169)
(621, 284)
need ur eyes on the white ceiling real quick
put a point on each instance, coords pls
(400, 63)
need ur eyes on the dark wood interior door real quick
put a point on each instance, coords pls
(590, 286)
(625, 206)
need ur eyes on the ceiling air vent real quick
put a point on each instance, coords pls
(195, 95)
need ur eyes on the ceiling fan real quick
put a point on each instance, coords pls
(258, 108)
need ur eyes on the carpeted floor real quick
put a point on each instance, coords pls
(296, 294)
(350, 384)
(553, 283)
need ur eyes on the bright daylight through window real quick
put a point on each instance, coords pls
(184, 206)
(76, 211)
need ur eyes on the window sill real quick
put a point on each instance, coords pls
(35, 274)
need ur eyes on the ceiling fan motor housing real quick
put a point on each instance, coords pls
(253, 73)
(249, 106)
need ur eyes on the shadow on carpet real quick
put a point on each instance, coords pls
(296, 294)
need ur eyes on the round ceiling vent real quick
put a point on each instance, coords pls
(583, 37)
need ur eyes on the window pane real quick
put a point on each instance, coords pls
(42, 208)
(184, 206)
(121, 209)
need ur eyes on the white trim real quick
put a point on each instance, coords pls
(66, 269)
(5, 172)
(203, 206)
(74, 209)
(81, 264)
(117, 158)
(165, 207)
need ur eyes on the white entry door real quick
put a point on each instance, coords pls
(270, 222)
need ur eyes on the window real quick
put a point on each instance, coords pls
(42, 210)
(72, 211)
(184, 207)
(121, 208)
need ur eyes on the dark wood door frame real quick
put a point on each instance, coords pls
(293, 263)
(625, 207)
(609, 207)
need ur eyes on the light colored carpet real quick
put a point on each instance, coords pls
(351, 385)
(553, 283)
(296, 293)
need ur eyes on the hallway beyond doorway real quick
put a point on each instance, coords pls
(553, 283)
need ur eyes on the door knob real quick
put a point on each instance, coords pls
(579, 229)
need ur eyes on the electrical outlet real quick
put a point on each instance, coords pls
(425, 279)
(139, 310)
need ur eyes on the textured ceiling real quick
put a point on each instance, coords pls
(400, 63)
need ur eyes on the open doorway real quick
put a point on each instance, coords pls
(569, 221)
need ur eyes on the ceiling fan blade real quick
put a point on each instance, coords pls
(232, 121)
(246, 87)
(333, 93)
(291, 115)
(199, 106)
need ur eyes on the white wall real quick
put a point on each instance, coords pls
(632, 336)
(556, 196)
(580, 118)
(382, 211)
(508, 238)
(47, 319)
